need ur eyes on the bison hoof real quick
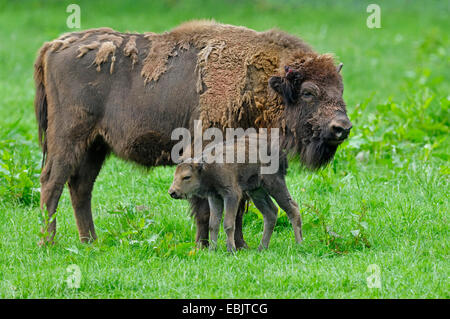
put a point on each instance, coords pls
(43, 242)
(88, 239)
(241, 245)
(262, 247)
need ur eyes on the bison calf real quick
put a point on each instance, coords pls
(226, 184)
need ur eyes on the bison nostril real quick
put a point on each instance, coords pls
(337, 129)
(339, 132)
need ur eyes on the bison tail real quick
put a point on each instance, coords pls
(40, 99)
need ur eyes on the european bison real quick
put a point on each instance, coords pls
(100, 91)
(225, 184)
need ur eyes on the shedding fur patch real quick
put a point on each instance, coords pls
(103, 53)
(105, 40)
(131, 50)
(86, 34)
(155, 64)
(83, 49)
(58, 45)
(117, 40)
(66, 39)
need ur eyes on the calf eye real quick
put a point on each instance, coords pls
(186, 177)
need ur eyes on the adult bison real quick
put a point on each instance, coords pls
(100, 91)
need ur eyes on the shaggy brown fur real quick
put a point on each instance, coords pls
(234, 64)
(101, 91)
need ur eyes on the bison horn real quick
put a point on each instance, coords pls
(287, 69)
(339, 67)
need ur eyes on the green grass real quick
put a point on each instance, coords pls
(383, 200)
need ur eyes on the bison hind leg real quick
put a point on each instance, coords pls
(81, 183)
(57, 169)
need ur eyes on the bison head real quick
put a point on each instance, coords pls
(315, 116)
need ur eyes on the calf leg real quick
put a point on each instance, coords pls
(277, 188)
(216, 209)
(231, 204)
(81, 184)
(238, 234)
(200, 211)
(269, 211)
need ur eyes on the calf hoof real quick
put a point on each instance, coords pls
(231, 249)
(202, 244)
(213, 246)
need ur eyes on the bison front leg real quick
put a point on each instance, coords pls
(80, 185)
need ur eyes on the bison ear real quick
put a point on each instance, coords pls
(275, 83)
(285, 88)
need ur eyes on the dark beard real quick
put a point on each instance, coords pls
(314, 153)
(317, 154)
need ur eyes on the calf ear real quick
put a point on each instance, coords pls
(198, 167)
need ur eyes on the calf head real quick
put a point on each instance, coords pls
(186, 180)
(315, 114)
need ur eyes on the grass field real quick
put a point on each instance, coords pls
(384, 200)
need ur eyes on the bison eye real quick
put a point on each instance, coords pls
(186, 177)
(307, 95)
